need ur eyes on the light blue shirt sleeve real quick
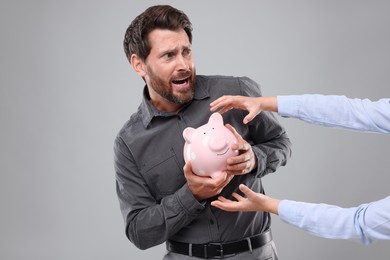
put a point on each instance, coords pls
(338, 111)
(365, 223)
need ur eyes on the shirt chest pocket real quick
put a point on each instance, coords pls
(163, 174)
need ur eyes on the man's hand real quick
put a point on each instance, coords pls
(245, 161)
(205, 187)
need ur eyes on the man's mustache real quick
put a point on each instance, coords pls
(183, 74)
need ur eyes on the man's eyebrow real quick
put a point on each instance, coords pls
(176, 49)
(169, 50)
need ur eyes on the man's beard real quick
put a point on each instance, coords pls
(164, 88)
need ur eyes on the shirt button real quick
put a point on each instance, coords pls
(211, 222)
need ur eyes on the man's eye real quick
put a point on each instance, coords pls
(187, 52)
(169, 55)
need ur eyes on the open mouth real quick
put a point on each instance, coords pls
(180, 81)
(223, 153)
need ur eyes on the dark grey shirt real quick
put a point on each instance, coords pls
(154, 197)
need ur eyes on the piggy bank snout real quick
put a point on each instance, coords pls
(218, 143)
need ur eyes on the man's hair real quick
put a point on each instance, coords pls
(155, 17)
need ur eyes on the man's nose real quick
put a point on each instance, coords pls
(182, 63)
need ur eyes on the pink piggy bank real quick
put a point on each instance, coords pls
(208, 146)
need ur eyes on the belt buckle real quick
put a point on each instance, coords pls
(219, 250)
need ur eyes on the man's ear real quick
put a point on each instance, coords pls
(138, 65)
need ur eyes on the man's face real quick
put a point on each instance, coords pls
(169, 69)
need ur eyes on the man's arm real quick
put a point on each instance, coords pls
(270, 142)
(149, 222)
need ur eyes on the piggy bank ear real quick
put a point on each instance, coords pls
(216, 118)
(188, 133)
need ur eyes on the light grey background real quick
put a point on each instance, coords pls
(67, 88)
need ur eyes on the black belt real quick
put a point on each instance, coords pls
(219, 250)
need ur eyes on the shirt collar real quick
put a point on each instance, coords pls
(149, 111)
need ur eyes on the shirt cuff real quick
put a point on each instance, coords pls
(287, 106)
(288, 211)
(261, 160)
(188, 202)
